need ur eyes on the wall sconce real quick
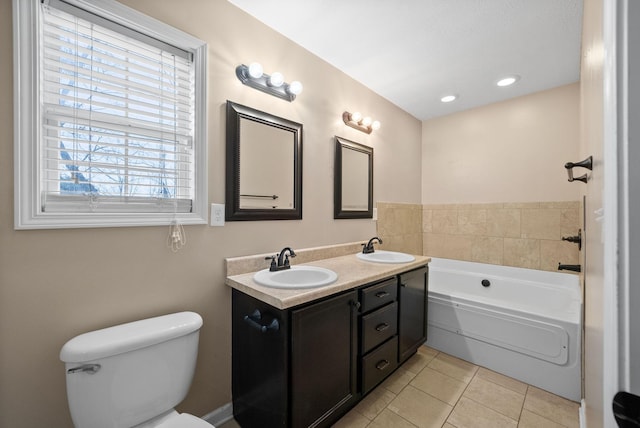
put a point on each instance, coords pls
(364, 124)
(253, 75)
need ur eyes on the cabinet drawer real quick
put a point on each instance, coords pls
(378, 326)
(378, 364)
(378, 295)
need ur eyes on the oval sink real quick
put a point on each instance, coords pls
(296, 277)
(382, 256)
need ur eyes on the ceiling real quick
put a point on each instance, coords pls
(413, 52)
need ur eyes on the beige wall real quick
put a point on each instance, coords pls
(55, 284)
(512, 151)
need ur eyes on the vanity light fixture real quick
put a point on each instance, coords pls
(364, 124)
(508, 81)
(274, 84)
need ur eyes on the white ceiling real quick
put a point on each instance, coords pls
(412, 52)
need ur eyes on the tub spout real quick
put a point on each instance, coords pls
(574, 268)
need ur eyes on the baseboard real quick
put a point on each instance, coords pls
(582, 412)
(220, 415)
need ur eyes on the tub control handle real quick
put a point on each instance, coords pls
(382, 364)
(382, 294)
(382, 327)
(85, 368)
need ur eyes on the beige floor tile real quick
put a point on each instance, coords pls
(374, 403)
(353, 419)
(448, 425)
(419, 360)
(231, 423)
(389, 419)
(428, 351)
(469, 414)
(552, 407)
(495, 397)
(531, 420)
(398, 380)
(420, 408)
(454, 367)
(502, 380)
(439, 385)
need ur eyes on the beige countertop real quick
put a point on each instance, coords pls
(352, 272)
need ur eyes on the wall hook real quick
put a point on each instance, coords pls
(587, 163)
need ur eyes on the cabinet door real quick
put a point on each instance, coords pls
(412, 328)
(323, 360)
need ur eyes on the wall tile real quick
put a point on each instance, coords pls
(554, 252)
(486, 249)
(522, 253)
(445, 221)
(427, 215)
(503, 222)
(472, 222)
(540, 223)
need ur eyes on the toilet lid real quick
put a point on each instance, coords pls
(185, 420)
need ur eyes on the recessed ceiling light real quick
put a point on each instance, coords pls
(448, 98)
(507, 81)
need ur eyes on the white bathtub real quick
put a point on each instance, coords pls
(526, 324)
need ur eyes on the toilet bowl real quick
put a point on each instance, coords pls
(134, 374)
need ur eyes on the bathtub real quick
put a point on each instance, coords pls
(522, 323)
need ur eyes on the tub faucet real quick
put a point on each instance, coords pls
(282, 264)
(368, 247)
(574, 268)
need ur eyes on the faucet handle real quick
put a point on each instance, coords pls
(273, 265)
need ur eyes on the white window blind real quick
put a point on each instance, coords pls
(117, 117)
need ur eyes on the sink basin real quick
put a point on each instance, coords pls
(296, 277)
(381, 256)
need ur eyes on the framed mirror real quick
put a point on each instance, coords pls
(353, 182)
(264, 166)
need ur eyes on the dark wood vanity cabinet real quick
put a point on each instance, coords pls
(306, 366)
(301, 373)
(412, 318)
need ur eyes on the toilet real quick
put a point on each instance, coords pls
(134, 374)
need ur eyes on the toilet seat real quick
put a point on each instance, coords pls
(185, 420)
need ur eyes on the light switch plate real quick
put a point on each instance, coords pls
(217, 214)
(375, 214)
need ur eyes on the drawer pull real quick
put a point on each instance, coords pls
(382, 294)
(382, 327)
(382, 364)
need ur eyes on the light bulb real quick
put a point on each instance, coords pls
(276, 79)
(367, 121)
(356, 117)
(448, 98)
(255, 70)
(375, 125)
(295, 87)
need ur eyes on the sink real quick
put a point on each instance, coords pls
(382, 256)
(296, 277)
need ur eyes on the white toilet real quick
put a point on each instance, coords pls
(134, 374)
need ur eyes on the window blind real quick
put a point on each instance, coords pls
(118, 118)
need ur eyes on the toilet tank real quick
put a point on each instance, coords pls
(125, 375)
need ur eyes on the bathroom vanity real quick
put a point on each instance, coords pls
(303, 358)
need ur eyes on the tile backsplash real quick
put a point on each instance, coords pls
(525, 235)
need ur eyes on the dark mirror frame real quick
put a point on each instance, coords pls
(338, 212)
(233, 212)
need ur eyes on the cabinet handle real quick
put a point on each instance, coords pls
(253, 321)
(355, 304)
(382, 327)
(382, 294)
(382, 364)
(402, 284)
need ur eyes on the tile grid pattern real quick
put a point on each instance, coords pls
(436, 390)
(526, 235)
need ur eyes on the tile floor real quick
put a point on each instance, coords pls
(433, 389)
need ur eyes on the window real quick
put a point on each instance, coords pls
(110, 120)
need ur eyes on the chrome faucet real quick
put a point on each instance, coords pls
(368, 247)
(281, 264)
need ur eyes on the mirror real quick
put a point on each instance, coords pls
(353, 183)
(264, 166)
